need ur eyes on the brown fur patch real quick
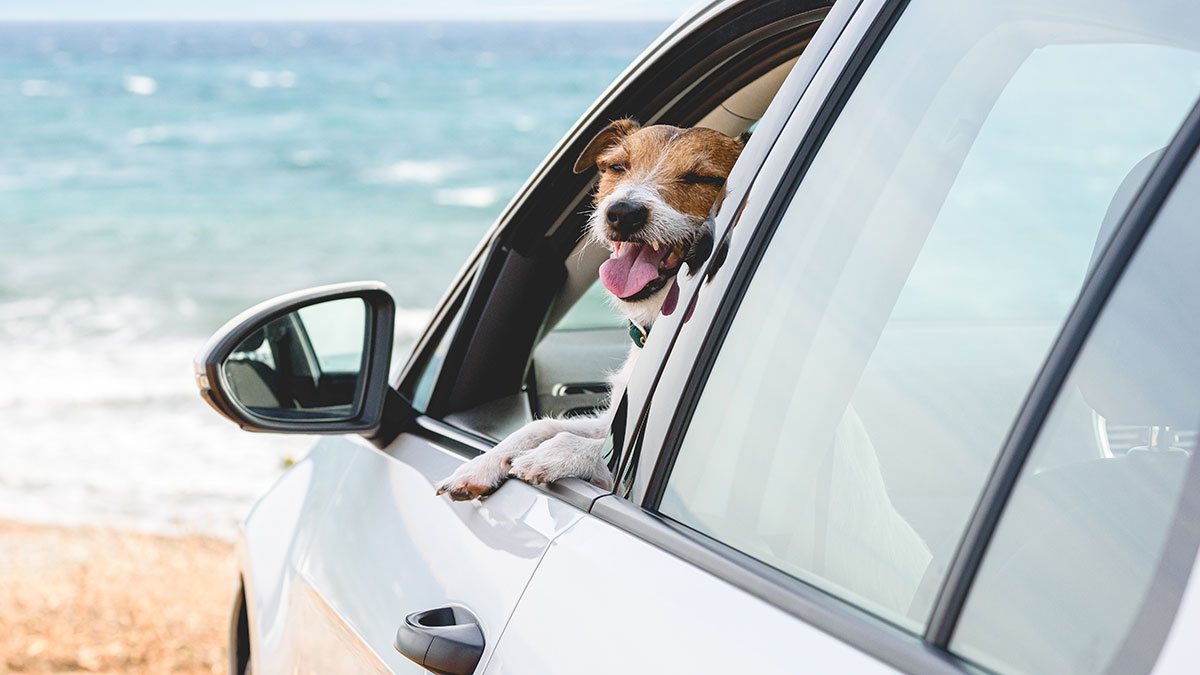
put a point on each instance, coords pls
(687, 166)
(603, 140)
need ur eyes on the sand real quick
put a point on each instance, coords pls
(100, 600)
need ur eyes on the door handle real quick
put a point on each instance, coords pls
(446, 640)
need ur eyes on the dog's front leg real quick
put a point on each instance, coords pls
(566, 455)
(484, 474)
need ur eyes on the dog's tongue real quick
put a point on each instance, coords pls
(628, 272)
(672, 299)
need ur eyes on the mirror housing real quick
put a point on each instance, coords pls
(272, 335)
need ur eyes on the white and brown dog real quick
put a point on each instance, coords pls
(657, 186)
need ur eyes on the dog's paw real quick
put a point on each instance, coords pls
(564, 456)
(477, 478)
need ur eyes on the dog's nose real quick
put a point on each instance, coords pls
(626, 217)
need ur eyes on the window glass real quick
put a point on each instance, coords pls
(572, 362)
(593, 311)
(916, 282)
(336, 331)
(429, 370)
(1066, 576)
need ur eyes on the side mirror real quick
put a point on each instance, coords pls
(311, 362)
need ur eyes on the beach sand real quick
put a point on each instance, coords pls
(101, 600)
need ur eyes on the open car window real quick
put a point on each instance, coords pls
(534, 340)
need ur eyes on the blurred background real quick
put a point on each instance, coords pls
(163, 167)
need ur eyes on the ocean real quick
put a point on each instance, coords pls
(156, 179)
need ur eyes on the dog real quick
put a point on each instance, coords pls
(657, 185)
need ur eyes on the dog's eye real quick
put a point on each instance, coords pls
(616, 168)
(694, 178)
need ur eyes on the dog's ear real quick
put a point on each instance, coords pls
(608, 137)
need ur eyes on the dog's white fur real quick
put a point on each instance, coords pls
(549, 449)
(664, 224)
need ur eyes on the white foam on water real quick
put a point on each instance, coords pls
(308, 158)
(264, 79)
(410, 323)
(140, 85)
(260, 79)
(524, 123)
(412, 171)
(36, 88)
(145, 135)
(475, 197)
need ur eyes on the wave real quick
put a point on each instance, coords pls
(474, 197)
(33, 88)
(146, 135)
(264, 79)
(306, 159)
(412, 171)
(140, 85)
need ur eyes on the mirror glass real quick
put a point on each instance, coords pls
(303, 365)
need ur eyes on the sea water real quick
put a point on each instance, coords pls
(156, 179)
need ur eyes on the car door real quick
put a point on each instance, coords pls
(354, 540)
(1095, 543)
(805, 484)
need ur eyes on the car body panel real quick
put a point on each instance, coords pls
(388, 546)
(1179, 651)
(605, 601)
(272, 543)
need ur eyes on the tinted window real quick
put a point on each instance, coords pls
(915, 284)
(1066, 576)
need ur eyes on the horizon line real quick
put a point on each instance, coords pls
(582, 18)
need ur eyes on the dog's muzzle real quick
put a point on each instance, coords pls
(626, 217)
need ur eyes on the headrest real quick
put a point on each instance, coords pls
(1137, 366)
(252, 342)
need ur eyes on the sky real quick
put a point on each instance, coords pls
(303, 10)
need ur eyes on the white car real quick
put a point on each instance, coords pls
(963, 230)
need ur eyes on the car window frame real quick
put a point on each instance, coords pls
(912, 653)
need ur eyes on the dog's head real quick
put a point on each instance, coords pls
(657, 185)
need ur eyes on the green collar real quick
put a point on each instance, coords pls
(638, 334)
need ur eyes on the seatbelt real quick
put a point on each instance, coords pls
(617, 430)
